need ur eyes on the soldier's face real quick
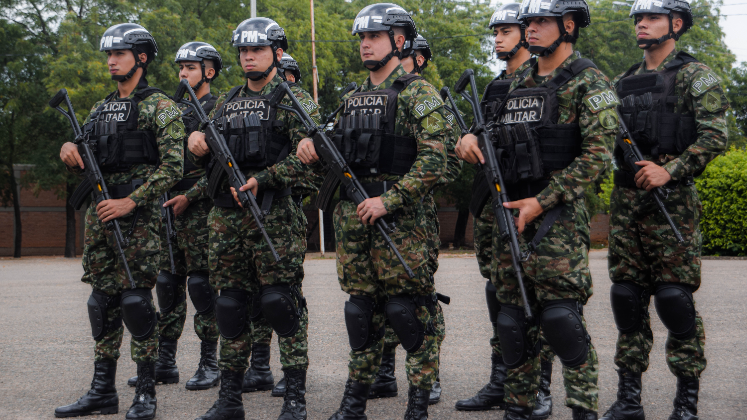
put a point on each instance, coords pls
(120, 61)
(190, 70)
(506, 37)
(255, 58)
(374, 45)
(654, 25)
(542, 31)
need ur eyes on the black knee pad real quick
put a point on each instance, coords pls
(280, 309)
(676, 309)
(493, 305)
(167, 287)
(627, 300)
(201, 292)
(512, 327)
(98, 304)
(359, 312)
(138, 313)
(256, 314)
(230, 312)
(564, 331)
(401, 310)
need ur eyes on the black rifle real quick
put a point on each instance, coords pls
(337, 164)
(491, 168)
(218, 146)
(92, 173)
(631, 155)
(167, 220)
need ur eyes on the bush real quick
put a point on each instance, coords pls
(723, 191)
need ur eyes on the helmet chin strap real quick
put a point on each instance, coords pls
(204, 78)
(505, 56)
(373, 65)
(259, 75)
(546, 51)
(647, 43)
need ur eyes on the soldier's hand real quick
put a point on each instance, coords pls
(468, 149)
(306, 151)
(529, 209)
(251, 184)
(371, 209)
(180, 203)
(70, 156)
(651, 175)
(197, 144)
(113, 209)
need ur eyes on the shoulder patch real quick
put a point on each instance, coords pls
(702, 82)
(165, 115)
(711, 101)
(425, 104)
(176, 131)
(602, 100)
(432, 123)
(608, 119)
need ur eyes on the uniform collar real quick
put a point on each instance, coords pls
(528, 81)
(672, 55)
(396, 74)
(268, 88)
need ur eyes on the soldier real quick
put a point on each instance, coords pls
(415, 57)
(250, 281)
(290, 69)
(137, 132)
(675, 108)
(199, 63)
(555, 123)
(402, 116)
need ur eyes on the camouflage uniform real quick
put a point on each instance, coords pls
(643, 249)
(558, 269)
(101, 263)
(190, 252)
(366, 266)
(239, 257)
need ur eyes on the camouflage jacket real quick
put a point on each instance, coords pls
(420, 114)
(700, 94)
(157, 113)
(598, 124)
(199, 190)
(289, 172)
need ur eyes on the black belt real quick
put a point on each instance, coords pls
(264, 198)
(627, 179)
(124, 190)
(374, 189)
(184, 184)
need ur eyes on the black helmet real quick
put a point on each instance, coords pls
(664, 7)
(288, 64)
(418, 44)
(556, 9)
(130, 36)
(258, 32)
(200, 51)
(384, 17)
(508, 14)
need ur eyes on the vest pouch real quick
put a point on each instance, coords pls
(109, 148)
(559, 145)
(528, 153)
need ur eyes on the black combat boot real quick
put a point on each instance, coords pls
(294, 406)
(144, 404)
(259, 376)
(229, 406)
(279, 390)
(628, 405)
(583, 414)
(353, 405)
(435, 396)
(491, 395)
(417, 403)
(102, 397)
(543, 406)
(686, 401)
(515, 412)
(208, 374)
(166, 370)
(385, 385)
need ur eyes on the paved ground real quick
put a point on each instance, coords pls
(46, 347)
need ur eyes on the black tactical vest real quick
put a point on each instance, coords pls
(495, 93)
(255, 145)
(115, 139)
(648, 109)
(530, 144)
(192, 124)
(365, 131)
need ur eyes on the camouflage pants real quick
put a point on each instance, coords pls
(391, 341)
(367, 267)
(190, 256)
(239, 258)
(103, 270)
(559, 269)
(643, 250)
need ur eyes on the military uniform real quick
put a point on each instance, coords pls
(643, 250)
